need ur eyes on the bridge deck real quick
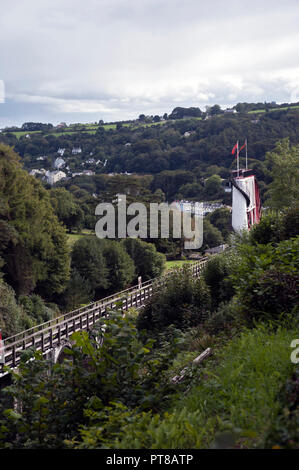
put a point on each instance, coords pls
(47, 336)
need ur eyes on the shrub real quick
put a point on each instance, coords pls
(10, 311)
(266, 279)
(36, 308)
(96, 386)
(275, 227)
(290, 223)
(267, 231)
(227, 318)
(237, 394)
(182, 301)
(216, 276)
(284, 431)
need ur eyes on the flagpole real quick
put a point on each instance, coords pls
(246, 153)
(238, 158)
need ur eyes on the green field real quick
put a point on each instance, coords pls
(74, 237)
(177, 263)
(257, 111)
(19, 134)
(87, 128)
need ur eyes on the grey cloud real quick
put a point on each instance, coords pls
(72, 60)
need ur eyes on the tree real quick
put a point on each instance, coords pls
(10, 311)
(36, 254)
(222, 219)
(78, 291)
(211, 235)
(216, 109)
(66, 209)
(88, 260)
(213, 187)
(284, 163)
(120, 266)
(148, 262)
(170, 182)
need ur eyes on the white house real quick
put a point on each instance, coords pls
(61, 151)
(76, 150)
(59, 163)
(36, 171)
(53, 176)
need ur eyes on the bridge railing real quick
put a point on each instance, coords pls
(49, 335)
(71, 314)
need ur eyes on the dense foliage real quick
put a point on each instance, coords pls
(33, 243)
(114, 386)
(182, 301)
(36, 262)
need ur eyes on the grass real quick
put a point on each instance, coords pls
(74, 237)
(176, 263)
(19, 134)
(257, 111)
(236, 393)
(87, 128)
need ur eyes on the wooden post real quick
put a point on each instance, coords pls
(179, 378)
(14, 356)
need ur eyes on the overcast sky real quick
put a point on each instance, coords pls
(81, 61)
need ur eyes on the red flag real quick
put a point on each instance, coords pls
(243, 146)
(235, 148)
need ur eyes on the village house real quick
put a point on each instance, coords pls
(53, 176)
(37, 171)
(59, 163)
(61, 151)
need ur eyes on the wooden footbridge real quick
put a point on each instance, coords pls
(51, 337)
